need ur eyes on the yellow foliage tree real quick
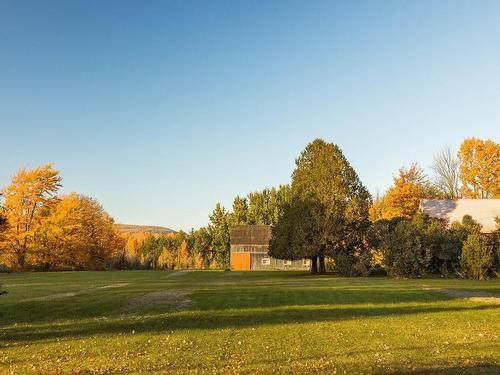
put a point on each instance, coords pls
(183, 255)
(131, 249)
(403, 198)
(26, 202)
(165, 260)
(77, 234)
(480, 168)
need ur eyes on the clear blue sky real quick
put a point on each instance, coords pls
(160, 109)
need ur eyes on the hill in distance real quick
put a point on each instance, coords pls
(130, 228)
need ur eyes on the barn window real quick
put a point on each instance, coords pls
(287, 262)
(306, 262)
(266, 261)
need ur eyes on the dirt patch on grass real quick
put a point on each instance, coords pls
(177, 273)
(472, 296)
(57, 296)
(170, 299)
(112, 286)
(51, 297)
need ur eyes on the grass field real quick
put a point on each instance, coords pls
(237, 322)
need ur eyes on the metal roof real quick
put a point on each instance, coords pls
(484, 211)
(251, 235)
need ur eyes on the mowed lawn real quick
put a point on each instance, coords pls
(246, 322)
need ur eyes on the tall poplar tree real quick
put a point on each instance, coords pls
(218, 229)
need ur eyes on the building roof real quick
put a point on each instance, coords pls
(251, 235)
(484, 211)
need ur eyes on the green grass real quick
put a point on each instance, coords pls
(244, 322)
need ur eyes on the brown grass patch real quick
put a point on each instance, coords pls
(170, 299)
(470, 295)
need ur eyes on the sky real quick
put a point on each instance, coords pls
(160, 109)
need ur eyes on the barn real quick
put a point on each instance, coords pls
(249, 250)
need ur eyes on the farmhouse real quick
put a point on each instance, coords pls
(484, 211)
(249, 250)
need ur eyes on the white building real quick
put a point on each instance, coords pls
(484, 211)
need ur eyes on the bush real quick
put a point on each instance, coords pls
(344, 263)
(404, 253)
(442, 245)
(477, 257)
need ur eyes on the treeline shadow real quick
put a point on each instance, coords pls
(205, 320)
(247, 297)
(480, 368)
(88, 305)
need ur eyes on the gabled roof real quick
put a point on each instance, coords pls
(251, 235)
(484, 211)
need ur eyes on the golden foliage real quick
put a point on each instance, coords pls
(403, 197)
(27, 200)
(480, 168)
(77, 234)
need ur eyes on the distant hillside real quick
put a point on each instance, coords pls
(130, 228)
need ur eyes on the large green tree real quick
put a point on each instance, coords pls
(240, 211)
(335, 222)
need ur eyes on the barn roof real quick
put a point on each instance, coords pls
(484, 211)
(251, 235)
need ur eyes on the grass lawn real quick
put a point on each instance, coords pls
(245, 322)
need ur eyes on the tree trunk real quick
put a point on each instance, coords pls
(314, 264)
(322, 268)
(21, 257)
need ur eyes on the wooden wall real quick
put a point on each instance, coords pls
(276, 264)
(240, 261)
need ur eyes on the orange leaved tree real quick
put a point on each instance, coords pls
(402, 199)
(25, 203)
(480, 168)
(78, 234)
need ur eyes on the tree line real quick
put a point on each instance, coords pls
(331, 217)
(325, 214)
(41, 229)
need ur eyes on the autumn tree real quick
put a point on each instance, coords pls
(337, 208)
(78, 234)
(183, 255)
(480, 168)
(446, 173)
(26, 200)
(402, 199)
(3, 228)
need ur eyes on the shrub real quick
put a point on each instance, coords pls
(404, 253)
(477, 257)
(442, 245)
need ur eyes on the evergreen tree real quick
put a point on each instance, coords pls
(336, 203)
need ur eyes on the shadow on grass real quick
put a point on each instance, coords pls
(212, 320)
(98, 304)
(248, 297)
(480, 368)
